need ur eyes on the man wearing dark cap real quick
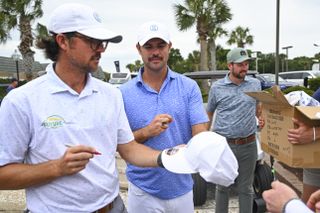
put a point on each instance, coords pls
(235, 119)
(12, 85)
(60, 132)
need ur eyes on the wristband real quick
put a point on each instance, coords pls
(285, 205)
(159, 160)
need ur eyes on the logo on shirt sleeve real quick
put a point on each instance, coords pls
(53, 122)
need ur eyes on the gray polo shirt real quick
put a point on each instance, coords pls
(234, 110)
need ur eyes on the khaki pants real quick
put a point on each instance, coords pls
(140, 201)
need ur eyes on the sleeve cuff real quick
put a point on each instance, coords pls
(296, 205)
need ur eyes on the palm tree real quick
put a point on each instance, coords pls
(213, 35)
(134, 67)
(222, 16)
(20, 15)
(193, 60)
(206, 15)
(241, 37)
(176, 61)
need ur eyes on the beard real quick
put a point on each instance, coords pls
(91, 65)
(239, 75)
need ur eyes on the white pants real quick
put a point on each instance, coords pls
(140, 201)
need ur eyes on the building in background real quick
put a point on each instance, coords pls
(8, 68)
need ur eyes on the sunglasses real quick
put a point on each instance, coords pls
(95, 44)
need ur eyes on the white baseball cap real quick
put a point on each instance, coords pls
(153, 29)
(80, 18)
(208, 154)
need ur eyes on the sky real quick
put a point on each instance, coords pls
(298, 27)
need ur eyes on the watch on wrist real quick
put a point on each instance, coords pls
(159, 160)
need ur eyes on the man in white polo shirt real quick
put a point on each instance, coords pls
(60, 132)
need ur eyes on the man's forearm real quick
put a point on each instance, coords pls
(138, 154)
(21, 176)
(140, 135)
(258, 109)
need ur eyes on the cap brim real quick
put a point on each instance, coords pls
(242, 59)
(146, 38)
(102, 34)
(216, 161)
(174, 160)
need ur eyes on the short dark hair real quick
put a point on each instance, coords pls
(13, 80)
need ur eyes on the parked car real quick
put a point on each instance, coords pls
(212, 76)
(119, 78)
(301, 76)
(268, 80)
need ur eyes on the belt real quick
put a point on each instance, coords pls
(106, 208)
(241, 141)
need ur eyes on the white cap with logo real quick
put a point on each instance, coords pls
(207, 153)
(153, 29)
(73, 17)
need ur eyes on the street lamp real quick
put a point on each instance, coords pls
(287, 55)
(316, 66)
(16, 57)
(256, 54)
(276, 71)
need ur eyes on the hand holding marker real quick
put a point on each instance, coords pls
(94, 153)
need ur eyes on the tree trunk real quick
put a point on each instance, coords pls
(213, 61)
(204, 62)
(28, 60)
(203, 54)
(25, 46)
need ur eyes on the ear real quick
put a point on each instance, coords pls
(62, 41)
(138, 47)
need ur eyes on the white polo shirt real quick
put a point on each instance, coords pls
(39, 118)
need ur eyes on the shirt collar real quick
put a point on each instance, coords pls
(57, 85)
(228, 81)
(170, 75)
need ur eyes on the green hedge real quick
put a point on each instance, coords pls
(2, 92)
(295, 88)
(3, 88)
(309, 91)
(314, 83)
(5, 80)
